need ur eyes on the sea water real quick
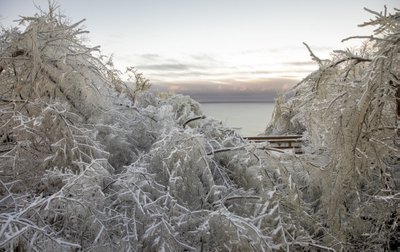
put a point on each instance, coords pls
(250, 119)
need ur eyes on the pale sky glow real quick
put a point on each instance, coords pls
(216, 47)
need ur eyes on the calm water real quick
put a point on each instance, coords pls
(251, 118)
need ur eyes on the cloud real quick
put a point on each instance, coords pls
(169, 67)
(284, 49)
(212, 74)
(204, 58)
(227, 90)
(301, 63)
(194, 63)
(207, 78)
(150, 56)
(280, 71)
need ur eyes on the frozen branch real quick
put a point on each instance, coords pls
(313, 57)
(193, 119)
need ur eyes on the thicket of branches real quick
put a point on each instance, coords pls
(348, 111)
(93, 163)
(90, 162)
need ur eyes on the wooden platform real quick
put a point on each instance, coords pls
(293, 142)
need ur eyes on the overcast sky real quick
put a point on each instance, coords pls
(215, 49)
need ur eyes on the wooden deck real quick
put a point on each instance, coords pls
(283, 142)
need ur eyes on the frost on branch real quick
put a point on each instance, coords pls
(348, 110)
(90, 162)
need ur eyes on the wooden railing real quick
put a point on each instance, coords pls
(293, 142)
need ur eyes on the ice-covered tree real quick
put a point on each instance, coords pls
(347, 111)
(91, 162)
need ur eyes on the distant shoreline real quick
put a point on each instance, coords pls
(236, 101)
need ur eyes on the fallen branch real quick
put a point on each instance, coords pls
(193, 119)
(225, 149)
